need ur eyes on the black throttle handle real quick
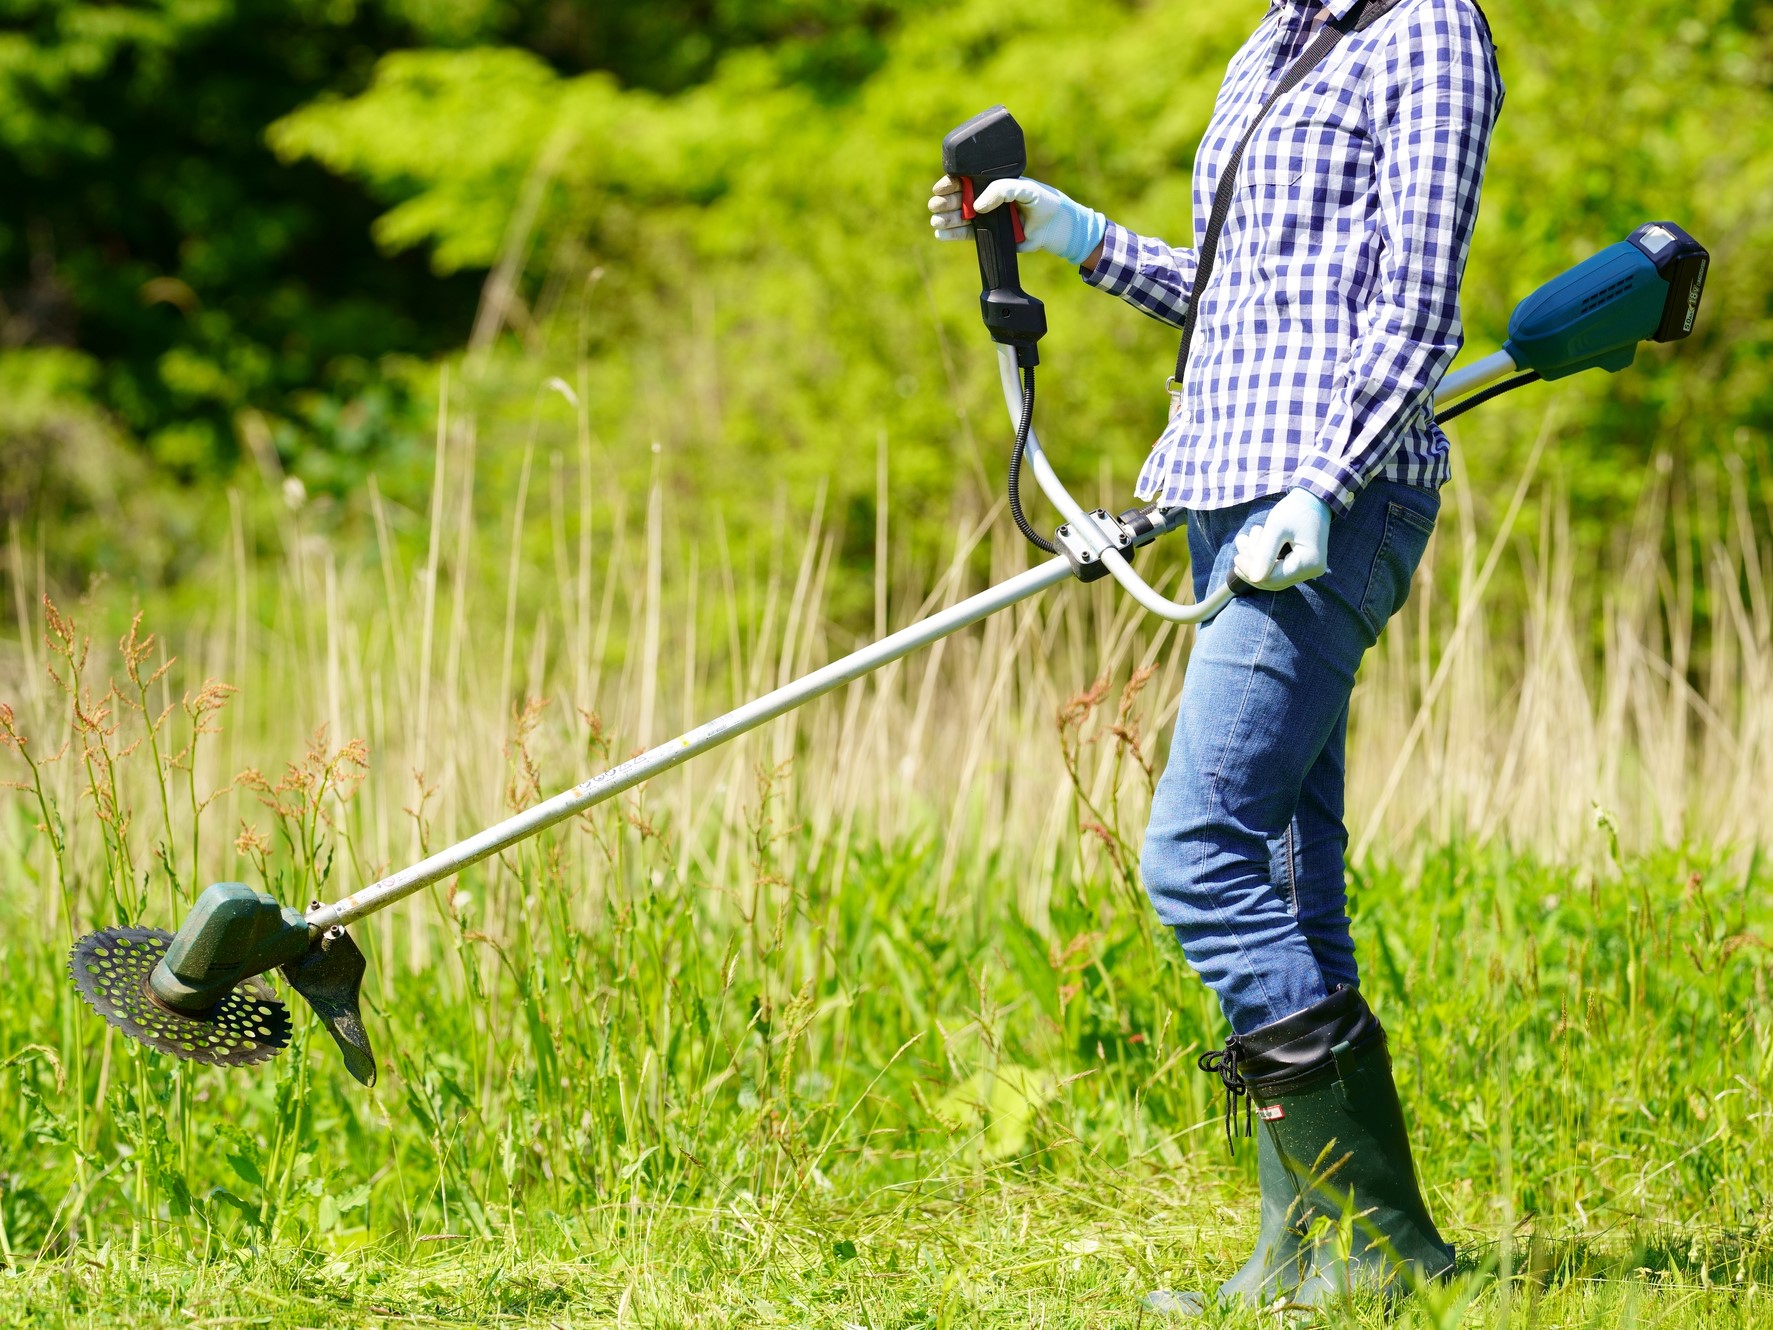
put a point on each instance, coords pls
(1244, 590)
(990, 147)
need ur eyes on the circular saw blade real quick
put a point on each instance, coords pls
(111, 969)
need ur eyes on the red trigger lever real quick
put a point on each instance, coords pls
(968, 212)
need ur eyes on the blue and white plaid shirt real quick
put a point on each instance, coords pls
(1333, 310)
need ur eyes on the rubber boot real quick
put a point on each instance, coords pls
(1276, 1267)
(1341, 1209)
(1321, 1085)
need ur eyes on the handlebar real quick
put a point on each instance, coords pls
(1099, 538)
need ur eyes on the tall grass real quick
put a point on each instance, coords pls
(862, 1019)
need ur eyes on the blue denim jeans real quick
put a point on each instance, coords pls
(1244, 851)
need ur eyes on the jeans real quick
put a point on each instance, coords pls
(1243, 855)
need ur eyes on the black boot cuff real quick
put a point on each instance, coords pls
(1299, 1047)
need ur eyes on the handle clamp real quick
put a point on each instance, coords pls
(1083, 545)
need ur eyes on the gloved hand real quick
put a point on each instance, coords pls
(1050, 220)
(1301, 520)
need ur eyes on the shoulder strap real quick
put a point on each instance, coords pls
(1363, 15)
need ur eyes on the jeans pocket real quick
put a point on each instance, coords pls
(1394, 564)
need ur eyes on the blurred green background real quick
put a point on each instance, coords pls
(239, 239)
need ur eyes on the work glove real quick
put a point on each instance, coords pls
(1300, 521)
(1050, 221)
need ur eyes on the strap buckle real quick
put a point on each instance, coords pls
(1173, 386)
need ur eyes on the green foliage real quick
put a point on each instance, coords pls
(769, 301)
(146, 222)
(63, 455)
(454, 135)
(719, 242)
(617, 1088)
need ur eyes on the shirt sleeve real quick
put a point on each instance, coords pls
(1435, 99)
(1146, 273)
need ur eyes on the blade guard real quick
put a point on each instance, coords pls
(330, 977)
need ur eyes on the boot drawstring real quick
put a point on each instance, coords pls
(1223, 1064)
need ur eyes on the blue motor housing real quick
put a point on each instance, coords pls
(1645, 288)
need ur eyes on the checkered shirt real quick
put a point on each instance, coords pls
(1333, 309)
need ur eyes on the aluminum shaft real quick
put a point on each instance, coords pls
(446, 863)
(588, 794)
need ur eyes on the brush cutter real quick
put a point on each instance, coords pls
(198, 994)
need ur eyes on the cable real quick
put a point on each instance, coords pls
(1487, 395)
(1034, 537)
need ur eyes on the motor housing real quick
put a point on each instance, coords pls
(1645, 288)
(232, 933)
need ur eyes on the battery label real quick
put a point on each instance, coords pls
(1694, 294)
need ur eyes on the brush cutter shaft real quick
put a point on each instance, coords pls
(447, 863)
(1479, 374)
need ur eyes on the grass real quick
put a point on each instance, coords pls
(862, 1021)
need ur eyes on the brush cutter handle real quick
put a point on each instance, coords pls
(1095, 538)
(990, 147)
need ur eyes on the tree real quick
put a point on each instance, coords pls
(145, 222)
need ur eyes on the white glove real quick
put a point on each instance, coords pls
(1050, 220)
(1300, 520)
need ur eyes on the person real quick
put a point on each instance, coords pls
(1303, 444)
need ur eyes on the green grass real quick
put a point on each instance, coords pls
(864, 1020)
(873, 1107)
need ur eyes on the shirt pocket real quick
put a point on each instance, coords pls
(1279, 218)
(1277, 181)
(1310, 165)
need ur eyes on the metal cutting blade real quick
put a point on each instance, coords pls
(111, 969)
